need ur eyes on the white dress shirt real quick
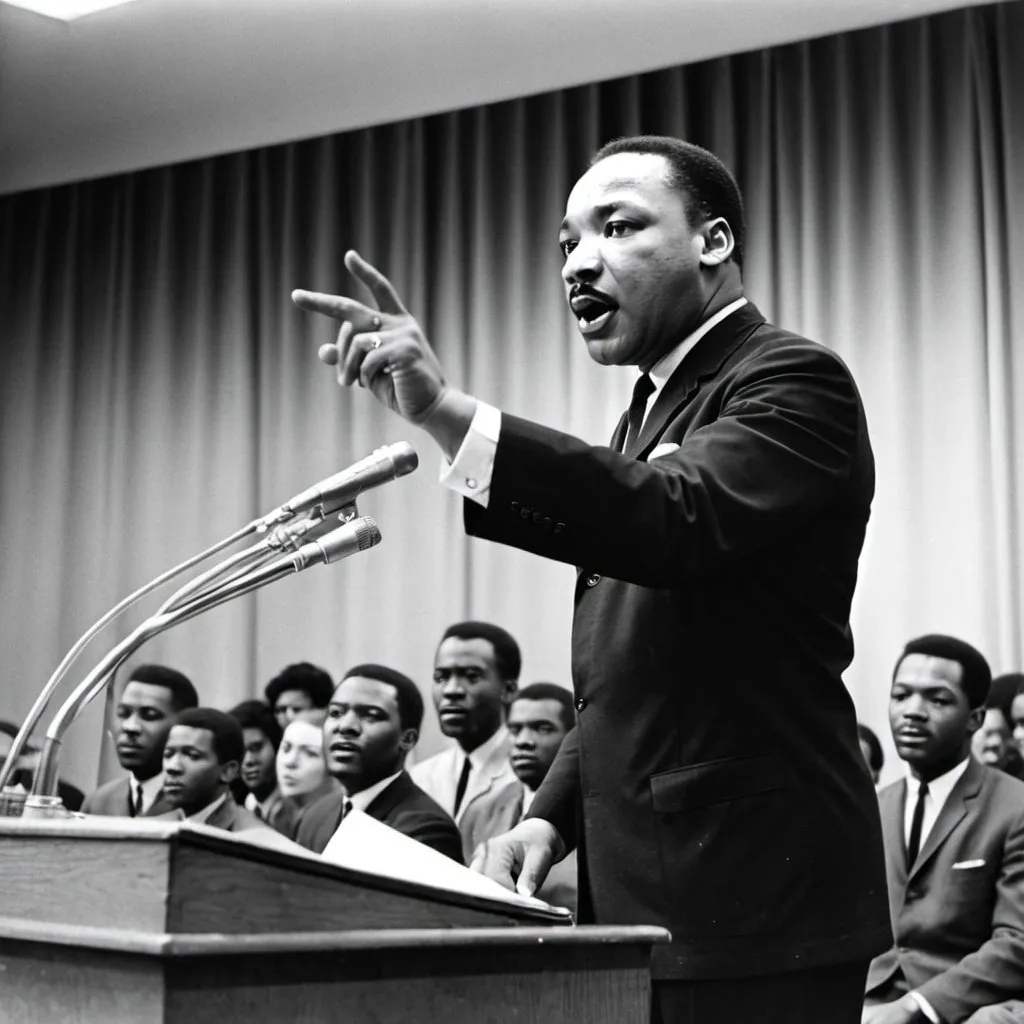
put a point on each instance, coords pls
(150, 790)
(935, 799)
(469, 473)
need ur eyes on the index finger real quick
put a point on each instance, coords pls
(382, 290)
(337, 306)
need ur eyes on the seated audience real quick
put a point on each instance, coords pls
(203, 751)
(301, 769)
(954, 849)
(24, 772)
(994, 742)
(871, 751)
(539, 718)
(258, 776)
(373, 721)
(476, 671)
(299, 687)
(151, 699)
(1017, 714)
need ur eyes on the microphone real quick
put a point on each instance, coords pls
(385, 464)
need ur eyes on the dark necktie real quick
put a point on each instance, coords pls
(637, 407)
(135, 800)
(460, 789)
(914, 843)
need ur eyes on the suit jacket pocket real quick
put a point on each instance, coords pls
(712, 782)
(734, 847)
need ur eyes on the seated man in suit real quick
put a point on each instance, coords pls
(151, 699)
(256, 785)
(954, 849)
(539, 718)
(373, 721)
(201, 759)
(297, 688)
(476, 671)
(993, 743)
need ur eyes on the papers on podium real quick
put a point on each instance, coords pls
(364, 844)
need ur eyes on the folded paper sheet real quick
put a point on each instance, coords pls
(365, 844)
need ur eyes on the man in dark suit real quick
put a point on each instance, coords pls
(718, 539)
(539, 718)
(151, 699)
(954, 850)
(201, 758)
(373, 721)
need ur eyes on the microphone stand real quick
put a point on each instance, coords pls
(356, 535)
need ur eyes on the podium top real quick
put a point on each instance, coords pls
(264, 849)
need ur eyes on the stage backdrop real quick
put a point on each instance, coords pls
(159, 389)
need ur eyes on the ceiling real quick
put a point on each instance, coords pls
(160, 81)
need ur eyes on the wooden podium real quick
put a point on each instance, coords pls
(118, 920)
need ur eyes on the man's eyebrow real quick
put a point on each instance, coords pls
(604, 209)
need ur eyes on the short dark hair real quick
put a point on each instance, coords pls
(875, 756)
(407, 693)
(228, 741)
(255, 714)
(507, 659)
(550, 691)
(183, 693)
(1003, 691)
(977, 676)
(708, 187)
(308, 678)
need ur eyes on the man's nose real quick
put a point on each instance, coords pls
(525, 741)
(131, 725)
(172, 766)
(452, 687)
(915, 708)
(582, 264)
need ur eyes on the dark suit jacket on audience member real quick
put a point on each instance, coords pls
(402, 805)
(232, 818)
(290, 814)
(958, 917)
(714, 783)
(113, 799)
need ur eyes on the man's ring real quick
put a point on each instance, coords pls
(375, 344)
(376, 323)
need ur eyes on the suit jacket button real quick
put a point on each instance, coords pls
(525, 512)
(538, 517)
(514, 506)
(559, 527)
(593, 579)
(580, 703)
(547, 522)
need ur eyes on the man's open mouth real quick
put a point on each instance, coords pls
(592, 311)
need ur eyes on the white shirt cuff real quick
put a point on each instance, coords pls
(469, 473)
(926, 1007)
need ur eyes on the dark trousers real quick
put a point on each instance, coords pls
(820, 995)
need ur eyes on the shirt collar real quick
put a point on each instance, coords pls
(479, 757)
(528, 795)
(365, 797)
(201, 817)
(669, 363)
(940, 788)
(150, 788)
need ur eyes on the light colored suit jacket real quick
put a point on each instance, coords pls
(490, 818)
(112, 800)
(438, 777)
(958, 915)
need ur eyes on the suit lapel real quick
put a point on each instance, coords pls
(619, 435)
(892, 833)
(701, 364)
(954, 810)
(389, 797)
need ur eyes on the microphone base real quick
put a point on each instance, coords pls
(45, 807)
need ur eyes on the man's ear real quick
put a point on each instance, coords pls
(408, 739)
(509, 692)
(718, 242)
(229, 772)
(974, 719)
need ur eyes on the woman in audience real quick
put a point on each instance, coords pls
(301, 769)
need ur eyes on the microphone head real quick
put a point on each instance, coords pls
(403, 457)
(356, 535)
